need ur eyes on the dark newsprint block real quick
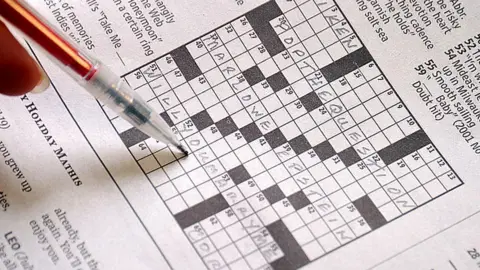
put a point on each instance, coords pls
(133, 136)
(294, 256)
(201, 211)
(404, 147)
(370, 212)
(186, 63)
(346, 64)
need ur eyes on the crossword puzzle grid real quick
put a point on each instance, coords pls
(298, 143)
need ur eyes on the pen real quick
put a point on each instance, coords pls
(94, 76)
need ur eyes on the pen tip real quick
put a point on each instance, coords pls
(182, 149)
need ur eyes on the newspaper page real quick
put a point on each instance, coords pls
(322, 134)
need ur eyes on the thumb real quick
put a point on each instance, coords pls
(19, 73)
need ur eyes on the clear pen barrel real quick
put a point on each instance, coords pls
(117, 95)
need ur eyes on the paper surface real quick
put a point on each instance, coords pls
(323, 135)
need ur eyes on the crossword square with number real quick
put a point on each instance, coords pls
(298, 143)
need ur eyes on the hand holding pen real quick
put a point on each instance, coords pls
(95, 77)
(19, 73)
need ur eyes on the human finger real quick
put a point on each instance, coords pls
(19, 73)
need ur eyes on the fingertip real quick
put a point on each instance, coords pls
(19, 73)
(18, 79)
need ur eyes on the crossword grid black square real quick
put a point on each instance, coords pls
(311, 101)
(277, 81)
(324, 150)
(299, 145)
